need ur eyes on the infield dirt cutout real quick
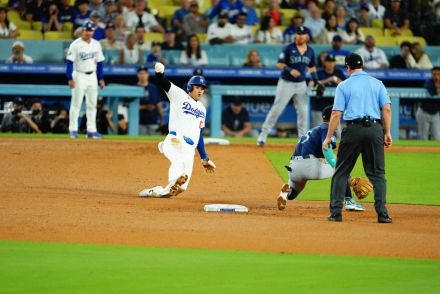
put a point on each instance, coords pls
(85, 191)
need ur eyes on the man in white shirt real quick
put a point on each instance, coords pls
(372, 56)
(241, 32)
(140, 17)
(18, 55)
(110, 41)
(221, 31)
(376, 10)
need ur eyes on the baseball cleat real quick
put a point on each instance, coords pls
(261, 144)
(74, 135)
(93, 135)
(384, 219)
(351, 204)
(150, 192)
(176, 189)
(282, 198)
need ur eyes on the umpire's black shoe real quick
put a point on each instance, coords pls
(335, 217)
(384, 219)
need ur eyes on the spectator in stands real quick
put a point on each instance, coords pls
(293, 4)
(253, 59)
(194, 22)
(8, 30)
(36, 10)
(376, 10)
(18, 55)
(177, 18)
(40, 117)
(129, 54)
(268, 32)
(321, 58)
(51, 21)
(170, 42)
(372, 56)
(210, 8)
(329, 9)
(104, 119)
(241, 32)
(401, 60)
(352, 33)
(141, 43)
(127, 7)
(331, 29)
(220, 32)
(121, 31)
(314, 21)
(251, 13)
(428, 113)
(65, 11)
(351, 7)
(156, 54)
(81, 14)
(274, 12)
(231, 7)
(15, 121)
(235, 120)
(418, 59)
(99, 33)
(150, 110)
(337, 50)
(140, 17)
(290, 32)
(363, 18)
(98, 6)
(110, 42)
(60, 123)
(396, 19)
(109, 12)
(341, 17)
(193, 54)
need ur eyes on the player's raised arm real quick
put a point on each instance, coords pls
(162, 81)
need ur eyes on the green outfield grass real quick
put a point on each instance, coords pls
(28, 267)
(412, 178)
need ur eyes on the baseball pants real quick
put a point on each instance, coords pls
(427, 122)
(84, 85)
(285, 91)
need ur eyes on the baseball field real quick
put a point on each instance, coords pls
(71, 222)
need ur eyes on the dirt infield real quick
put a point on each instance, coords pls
(85, 191)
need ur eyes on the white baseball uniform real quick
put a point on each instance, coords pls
(85, 57)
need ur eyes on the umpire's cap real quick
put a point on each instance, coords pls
(327, 112)
(195, 80)
(354, 61)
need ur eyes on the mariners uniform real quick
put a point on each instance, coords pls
(84, 64)
(307, 164)
(186, 123)
(289, 87)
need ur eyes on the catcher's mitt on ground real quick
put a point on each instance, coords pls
(362, 187)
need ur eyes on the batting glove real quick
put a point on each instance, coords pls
(159, 67)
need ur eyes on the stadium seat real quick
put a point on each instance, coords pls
(389, 33)
(4, 3)
(68, 27)
(375, 32)
(202, 37)
(158, 3)
(111, 56)
(16, 19)
(167, 11)
(30, 35)
(37, 26)
(385, 41)
(173, 56)
(377, 23)
(411, 39)
(287, 15)
(58, 35)
(153, 37)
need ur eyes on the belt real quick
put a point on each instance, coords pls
(300, 157)
(87, 72)
(361, 121)
(189, 141)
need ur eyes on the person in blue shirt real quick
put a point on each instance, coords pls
(428, 113)
(337, 50)
(251, 13)
(308, 163)
(290, 32)
(363, 102)
(232, 7)
(293, 62)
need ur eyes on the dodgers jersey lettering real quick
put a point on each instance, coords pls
(85, 56)
(311, 143)
(294, 59)
(187, 116)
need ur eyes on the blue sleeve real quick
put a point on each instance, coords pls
(99, 71)
(384, 98)
(282, 57)
(69, 70)
(339, 102)
(201, 146)
(312, 58)
(429, 86)
(215, 11)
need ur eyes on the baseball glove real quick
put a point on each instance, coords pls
(209, 165)
(320, 88)
(362, 187)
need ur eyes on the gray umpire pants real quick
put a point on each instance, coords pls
(285, 91)
(368, 141)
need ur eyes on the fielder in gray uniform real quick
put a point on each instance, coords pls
(293, 63)
(307, 163)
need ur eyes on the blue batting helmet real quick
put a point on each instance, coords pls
(195, 80)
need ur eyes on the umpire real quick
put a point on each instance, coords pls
(367, 113)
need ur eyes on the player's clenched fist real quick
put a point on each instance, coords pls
(159, 67)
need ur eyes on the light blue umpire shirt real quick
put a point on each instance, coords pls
(360, 95)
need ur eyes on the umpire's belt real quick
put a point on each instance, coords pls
(361, 121)
(189, 141)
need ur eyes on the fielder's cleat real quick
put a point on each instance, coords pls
(74, 135)
(93, 135)
(384, 219)
(335, 217)
(261, 144)
(351, 204)
(282, 198)
(151, 192)
(176, 189)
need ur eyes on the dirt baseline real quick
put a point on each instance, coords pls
(86, 192)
